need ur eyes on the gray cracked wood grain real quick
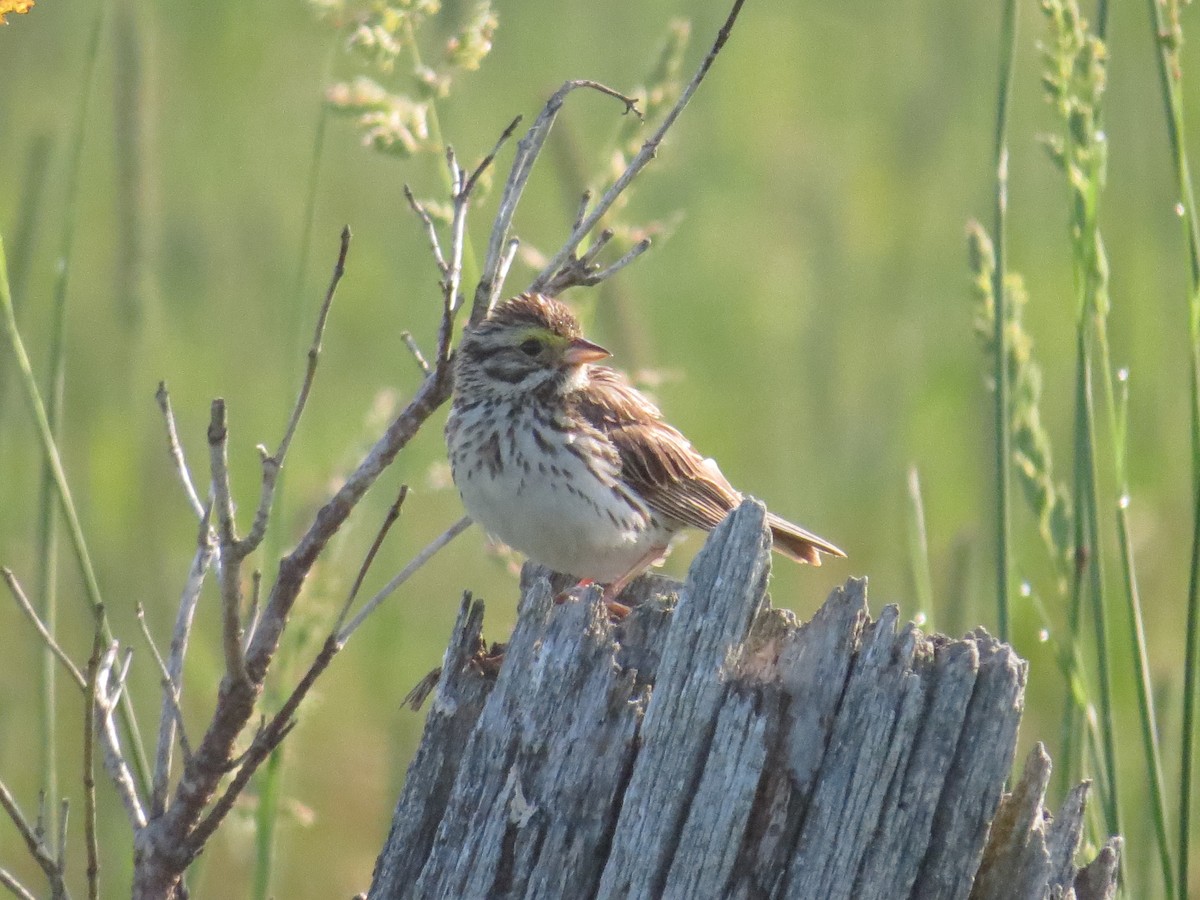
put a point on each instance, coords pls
(710, 746)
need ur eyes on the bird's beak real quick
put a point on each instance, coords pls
(580, 351)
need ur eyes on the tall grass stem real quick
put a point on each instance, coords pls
(1008, 41)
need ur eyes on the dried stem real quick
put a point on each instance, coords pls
(430, 230)
(407, 572)
(314, 349)
(35, 843)
(393, 515)
(528, 148)
(90, 833)
(47, 638)
(647, 152)
(110, 685)
(252, 612)
(190, 597)
(171, 714)
(487, 161)
(231, 547)
(273, 463)
(411, 343)
(175, 449)
(8, 880)
(272, 734)
(584, 272)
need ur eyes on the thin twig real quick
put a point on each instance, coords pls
(47, 638)
(175, 449)
(90, 833)
(528, 149)
(188, 600)
(506, 261)
(64, 810)
(231, 556)
(601, 241)
(452, 281)
(582, 271)
(273, 463)
(430, 230)
(407, 572)
(393, 514)
(633, 253)
(474, 177)
(34, 842)
(411, 343)
(584, 200)
(647, 152)
(272, 734)
(106, 700)
(8, 880)
(162, 758)
(314, 350)
(252, 612)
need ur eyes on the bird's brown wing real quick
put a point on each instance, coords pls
(657, 462)
(662, 466)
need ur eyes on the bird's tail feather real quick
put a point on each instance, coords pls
(796, 543)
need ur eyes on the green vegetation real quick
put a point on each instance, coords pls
(808, 315)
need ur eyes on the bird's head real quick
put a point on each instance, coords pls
(526, 344)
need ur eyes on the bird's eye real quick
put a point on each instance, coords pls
(530, 346)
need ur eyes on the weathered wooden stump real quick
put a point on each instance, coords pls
(711, 746)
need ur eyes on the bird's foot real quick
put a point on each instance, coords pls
(574, 593)
(616, 610)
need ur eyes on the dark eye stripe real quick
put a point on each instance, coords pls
(501, 371)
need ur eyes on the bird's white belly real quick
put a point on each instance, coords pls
(566, 518)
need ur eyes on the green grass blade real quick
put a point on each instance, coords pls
(1008, 41)
(11, 336)
(918, 544)
(46, 541)
(1168, 39)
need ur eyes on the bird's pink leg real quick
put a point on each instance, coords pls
(613, 590)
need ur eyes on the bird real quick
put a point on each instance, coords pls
(568, 463)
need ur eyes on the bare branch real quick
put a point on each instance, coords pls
(584, 200)
(452, 282)
(231, 556)
(64, 810)
(430, 230)
(589, 258)
(506, 261)
(188, 600)
(47, 638)
(176, 449)
(647, 152)
(272, 463)
(109, 686)
(392, 515)
(581, 272)
(484, 163)
(34, 842)
(173, 714)
(411, 343)
(314, 350)
(8, 880)
(528, 149)
(90, 833)
(252, 612)
(407, 572)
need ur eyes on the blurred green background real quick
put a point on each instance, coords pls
(808, 316)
